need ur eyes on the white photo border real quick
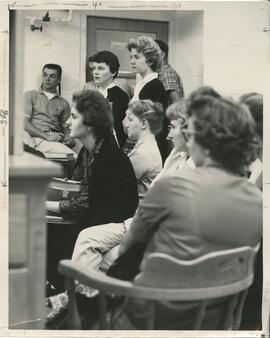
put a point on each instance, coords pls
(5, 7)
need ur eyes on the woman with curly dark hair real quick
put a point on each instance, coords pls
(206, 209)
(109, 188)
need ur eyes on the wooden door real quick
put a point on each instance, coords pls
(113, 34)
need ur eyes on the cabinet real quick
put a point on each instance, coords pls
(29, 176)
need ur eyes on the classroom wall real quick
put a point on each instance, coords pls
(65, 44)
(236, 50)
(57, 43)
(188, 49)
(208, 42)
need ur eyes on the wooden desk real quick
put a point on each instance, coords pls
(29, 176)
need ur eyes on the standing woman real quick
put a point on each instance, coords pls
(104, 67)
(146, 59)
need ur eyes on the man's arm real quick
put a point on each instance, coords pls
(35, 132)
(175, 96)
(28, 125)
(67, 140)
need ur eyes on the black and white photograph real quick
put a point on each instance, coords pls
(134, 168)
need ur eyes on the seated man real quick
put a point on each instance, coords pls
(46, 113)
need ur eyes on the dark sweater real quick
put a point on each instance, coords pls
(155, 91)
(112, 188)
(119, 101)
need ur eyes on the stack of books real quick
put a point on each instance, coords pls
(59, 156)
(65, 184)
(61, 188)
(54, 219)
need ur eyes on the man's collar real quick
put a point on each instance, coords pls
(41, 91)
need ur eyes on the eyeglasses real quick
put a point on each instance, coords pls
(187, 134)
(183, 124)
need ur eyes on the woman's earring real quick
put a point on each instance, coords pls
(143, 125)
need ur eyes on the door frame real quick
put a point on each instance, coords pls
(93, 23)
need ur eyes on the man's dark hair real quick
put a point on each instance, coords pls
(54, 66)
(109, 58)
(163, 46)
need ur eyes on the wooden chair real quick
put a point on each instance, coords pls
(227, 273)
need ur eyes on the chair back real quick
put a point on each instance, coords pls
(212, 275)
(177, 284)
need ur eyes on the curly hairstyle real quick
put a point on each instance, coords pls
(254, 101)
(150, 111)
(177, 111)
(107, 57)
(204, 90)
(95, 110)
(150, 50)
(226, 129)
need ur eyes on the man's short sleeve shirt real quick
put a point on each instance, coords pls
(46, 114)
(171, 80)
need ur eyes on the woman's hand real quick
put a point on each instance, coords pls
(52, 206)
(69, 141)
(54, 137)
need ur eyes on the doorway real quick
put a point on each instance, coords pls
(113, 34)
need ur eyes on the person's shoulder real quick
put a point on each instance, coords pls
(32, 92)
(110, 149)
(154, 85)
(168, 73)
(89, 86)
(113, 157)
(156, 82)
(168, 68)
(63, 100)
(118, 92)
(142, 155)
